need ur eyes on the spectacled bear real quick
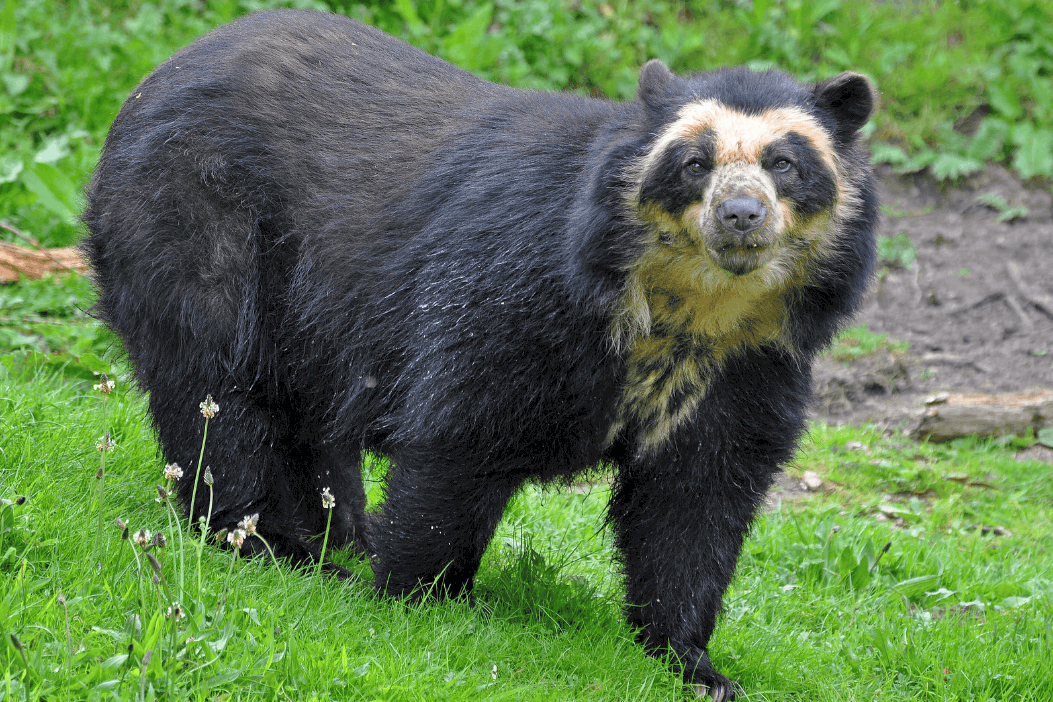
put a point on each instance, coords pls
(357, 247)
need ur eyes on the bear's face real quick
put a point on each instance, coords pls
(740, 192)
(746, 185)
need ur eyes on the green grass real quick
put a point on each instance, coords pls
(856, 342)
(276, 634)
(49, 315)
(959, 606)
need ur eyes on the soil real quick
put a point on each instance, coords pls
(976, 304)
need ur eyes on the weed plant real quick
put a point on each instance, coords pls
(858, 341)
(896, 251)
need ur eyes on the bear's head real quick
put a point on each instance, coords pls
(746, 172)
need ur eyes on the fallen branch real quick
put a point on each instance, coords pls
(953, 415)
(58, 259)
(970, 306)
(16, 261)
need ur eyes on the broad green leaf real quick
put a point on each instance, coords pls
(222, 638)
(9, 170)
(918, 162)
(913, 587)
(1005, 100)
(881, 152)
(54, 191)
(885, 648)
(7, 518)
(847, 562)
(219, 679)
(860, 576)
(408, 10)
(8, 27)
(817, 11)
(761, 8)
(1034, 154)
(1042, 99)
(115, 661)
(1014, 601)
(989, 140)
(15, 83)
(94, 363)
(463, 43)
(837, 56)
(13, 339)
(950, 166)
(940, 594)
(55, 149)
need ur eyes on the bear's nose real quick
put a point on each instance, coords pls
(741, 215)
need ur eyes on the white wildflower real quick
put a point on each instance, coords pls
(328, 501)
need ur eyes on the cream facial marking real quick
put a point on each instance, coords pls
(742, 137)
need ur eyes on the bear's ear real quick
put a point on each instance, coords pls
(656, 83)
(850, 98)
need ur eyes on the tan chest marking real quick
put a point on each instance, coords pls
(680, 333)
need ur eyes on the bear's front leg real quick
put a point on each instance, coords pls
(680, 517)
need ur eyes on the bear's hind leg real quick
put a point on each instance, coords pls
(253, 463)
(341, 474)
(435, 524)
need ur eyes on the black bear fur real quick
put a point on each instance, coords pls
(355, 246)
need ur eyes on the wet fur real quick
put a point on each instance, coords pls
(354, 246)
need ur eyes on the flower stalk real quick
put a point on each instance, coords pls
(328, 502)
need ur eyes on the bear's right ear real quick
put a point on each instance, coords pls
(656, 83)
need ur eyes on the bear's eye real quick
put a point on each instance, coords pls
(695, 167)
(781, 165)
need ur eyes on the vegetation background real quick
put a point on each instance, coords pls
(920, 572)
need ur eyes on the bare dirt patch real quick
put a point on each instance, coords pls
(976, 305)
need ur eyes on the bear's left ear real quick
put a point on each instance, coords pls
(850, 98)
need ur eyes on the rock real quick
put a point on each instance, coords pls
(812, 481)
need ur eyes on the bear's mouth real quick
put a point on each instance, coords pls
(744, 258)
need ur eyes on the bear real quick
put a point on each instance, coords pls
(357, 248)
